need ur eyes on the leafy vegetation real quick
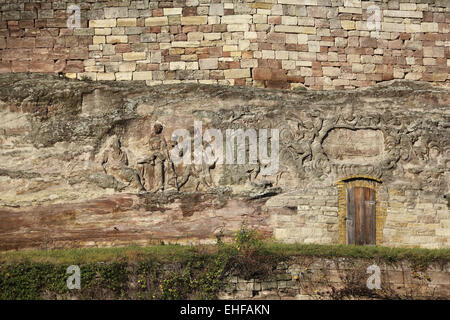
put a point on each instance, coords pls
(172, 271)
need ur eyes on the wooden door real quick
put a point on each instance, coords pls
(360, 216)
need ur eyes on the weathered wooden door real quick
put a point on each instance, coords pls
(360, 216)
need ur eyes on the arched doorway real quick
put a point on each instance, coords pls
(360, 213)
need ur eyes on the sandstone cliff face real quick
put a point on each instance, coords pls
(89, 163)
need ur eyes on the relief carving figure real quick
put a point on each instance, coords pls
(157, 169)
(115, 163)
(105, 164)
(203, 175)
(200, 173)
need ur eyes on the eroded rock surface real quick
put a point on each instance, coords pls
(89, 163)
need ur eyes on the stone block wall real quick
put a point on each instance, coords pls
(320, 44)
(306, 278)
(416, 217)
(309, 216)
(409, 218)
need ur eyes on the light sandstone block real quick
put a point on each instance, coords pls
(348, 25)
(352, 3)
(412, 28)
(306, 21)
(195, 20)
(94, 47)
(331, 71)
(126, 22)
(261, 5)
(413, 76)
(189, 57)
(156, 21)
(288, 64)
(237, 73)
(413, 45)
(127, 66)
(333, 56)
(237, 19)
(244, 45)
(229, 48)
(435, 52)
(260, 18)
(116, 39)
(308, 56)
(174, 20)
(302, 39)
(97, 68)
(142, 75)
(426, 61)
(313, 46)
(133, 56)
(172, 11)
(268, 54)
(107, 76)
(393, 27)
(116, 12)
(213, 20)
(412, 60)
(282, 55)
(193, 65)
(98, 39)
(295, 29)
(216, 9)
(176, 51)
(277, 10)
(208, 64)
(105, 23)
(122, 76)
(249, 63)
(212, 36)
(177, 65)
(429, 27)
(408, 6)
(305, 72)
(299, 2)
(102, 31)
(195, 36)
(238, 27)
(288, 20)
(291, 38)
(350, 10)
(250, 35)
(185, 44)
(403, 14)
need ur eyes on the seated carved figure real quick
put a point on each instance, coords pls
(115, 163)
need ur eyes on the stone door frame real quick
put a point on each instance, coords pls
(380, 210)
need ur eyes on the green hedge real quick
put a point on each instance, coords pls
(171, 271)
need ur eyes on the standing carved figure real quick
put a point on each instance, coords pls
(157, 170)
